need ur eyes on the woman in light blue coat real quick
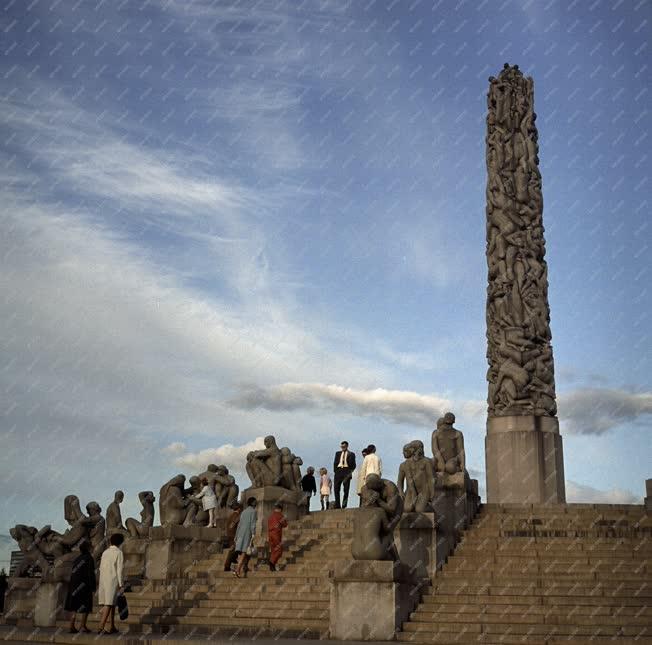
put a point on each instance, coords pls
(244, 536)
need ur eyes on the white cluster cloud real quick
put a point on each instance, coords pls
(580, 493)
(597, 410)
(395, 406)
(228, 454)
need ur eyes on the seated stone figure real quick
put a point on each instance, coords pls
(114, 515)
(381, 507)
(448, 453)
(173, 504)
(416, 479)
(141, 529)
(265, 467)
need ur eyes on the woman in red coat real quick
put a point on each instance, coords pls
(275, 525)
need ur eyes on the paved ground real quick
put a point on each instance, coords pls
(14, 635)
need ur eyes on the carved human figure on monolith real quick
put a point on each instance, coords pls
(264, 467)
(524, 453)
(173, 504)
(448, 453)
(140, 529)
(114, 515)
(374, 524)
(416, 479)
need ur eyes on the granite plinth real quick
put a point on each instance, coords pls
(50, 597)
(370, 599)
(454, 509)
(171, 549)
(20, 600)
(267, 497)
(525, 463)
(415, 539)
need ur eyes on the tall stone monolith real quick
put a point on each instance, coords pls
(523, 446)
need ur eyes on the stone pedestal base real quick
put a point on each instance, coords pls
(370, 599)
(267, 497)
(525, 462)
(133, 550)
(415, 539)
(171, 549)
(454, 509)
(50, 597)
(20, 601)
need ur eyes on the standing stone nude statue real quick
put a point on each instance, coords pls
(264, 467)
(416, 479)
(114, 516)
(448, 453)
(141, 529)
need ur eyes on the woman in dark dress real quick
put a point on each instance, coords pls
(81, 588)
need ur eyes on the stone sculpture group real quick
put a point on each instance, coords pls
(419, 480)
(382, 502)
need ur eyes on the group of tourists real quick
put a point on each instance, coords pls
(343, 467)
(241, 524)
(239, 541)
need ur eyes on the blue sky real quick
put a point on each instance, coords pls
(228, 219)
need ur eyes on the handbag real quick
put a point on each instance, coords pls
(123, 608)
(251, 549)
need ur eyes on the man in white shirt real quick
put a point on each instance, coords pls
(372, 465)
(343, 467)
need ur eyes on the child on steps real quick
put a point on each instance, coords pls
(324, 488)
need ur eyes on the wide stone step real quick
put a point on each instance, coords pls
(507, 639)
(542, 588)
(513, 617)
(270, 609)
(257, 594)
(535, 575)
(565, 610)
(533, 629)
(436, 597)
(234, 621)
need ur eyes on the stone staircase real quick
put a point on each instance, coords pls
(574, 573)
(292, 602)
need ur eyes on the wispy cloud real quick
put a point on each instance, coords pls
(598, 410)
(394, 406)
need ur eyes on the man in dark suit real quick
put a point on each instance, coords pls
(343, 467)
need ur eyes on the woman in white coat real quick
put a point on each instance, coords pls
(111, 584)
(371, 465)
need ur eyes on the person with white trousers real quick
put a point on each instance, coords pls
(371, 465)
